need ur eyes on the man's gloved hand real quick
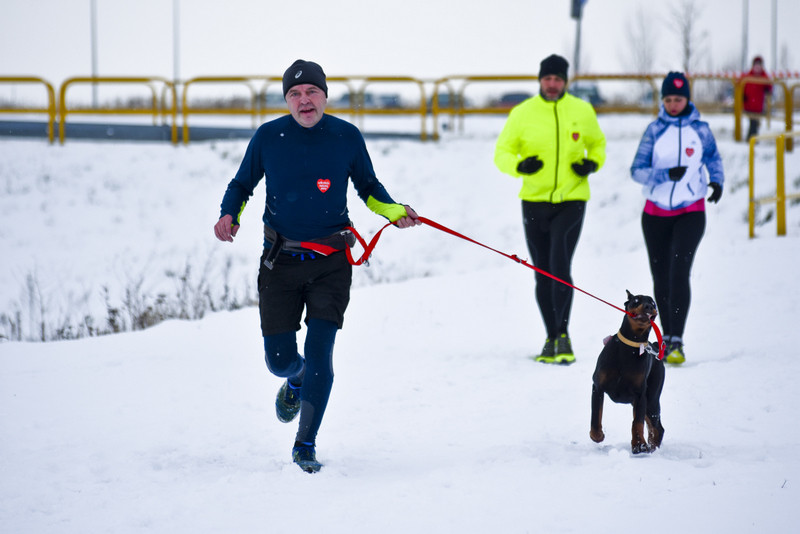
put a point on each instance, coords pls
(584, 168)
(676, 173)
(529, 165)
(716, 194)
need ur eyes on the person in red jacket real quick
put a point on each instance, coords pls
(754, 94)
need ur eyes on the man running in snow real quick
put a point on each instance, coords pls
(307, 159)
(553, 143)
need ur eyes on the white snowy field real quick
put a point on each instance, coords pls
(438, 421)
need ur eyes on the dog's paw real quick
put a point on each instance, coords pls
(639, 448)
(597, 435)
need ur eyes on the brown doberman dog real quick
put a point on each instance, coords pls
(630, 373)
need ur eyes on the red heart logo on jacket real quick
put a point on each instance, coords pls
(575, 136)
(689, 151)
(323, 184)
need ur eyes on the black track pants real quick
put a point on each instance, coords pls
(552, 232)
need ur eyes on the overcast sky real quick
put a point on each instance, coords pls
(421, 38)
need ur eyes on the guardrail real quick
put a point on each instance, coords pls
(158, 105)
(254, 110)
(456, 98)
(457, 85)
(421, 110)
(355, 105)
(780, 182)
(448, 98)
(51, 101)
(258, 86)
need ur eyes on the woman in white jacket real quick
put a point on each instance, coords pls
(677, 161)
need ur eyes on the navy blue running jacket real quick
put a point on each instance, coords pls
(306, 172)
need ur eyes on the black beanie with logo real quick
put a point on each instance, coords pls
(302, 72)
(554, 64)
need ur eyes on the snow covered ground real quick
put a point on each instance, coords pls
(438, 421)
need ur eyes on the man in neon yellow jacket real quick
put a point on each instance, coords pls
(553, 142)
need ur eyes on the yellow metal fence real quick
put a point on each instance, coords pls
(448, 97)
(50, 109)
(780, 197)
(160, 105)
(259, 104)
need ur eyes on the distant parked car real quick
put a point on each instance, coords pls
(446, 101)
(370, 101)
(587, 92)
(390, 101)
(509, 100)
(274, 100)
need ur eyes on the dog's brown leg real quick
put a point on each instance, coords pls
(638, 444)
(655, 432)
(596, 430)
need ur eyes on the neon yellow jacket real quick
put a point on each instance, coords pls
(560, 133)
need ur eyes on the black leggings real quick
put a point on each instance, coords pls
(671, 246)
(315, 371)
(552, 232)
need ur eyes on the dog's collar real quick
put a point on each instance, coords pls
(635, 344)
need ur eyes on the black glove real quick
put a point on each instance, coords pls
(529, 165)
(676, 173)
(584, 168)
(716, 193)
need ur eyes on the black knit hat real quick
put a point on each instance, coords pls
(675, 84)
(304, 72)
(554, 64)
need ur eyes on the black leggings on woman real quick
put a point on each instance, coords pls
(552, 232)
(671, 246)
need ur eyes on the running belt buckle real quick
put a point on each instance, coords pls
(275, 249)
(349, 238)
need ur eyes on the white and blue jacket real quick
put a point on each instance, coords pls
(668, 142)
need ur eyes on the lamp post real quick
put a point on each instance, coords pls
(93, 24)
(745, 16)
(576, 12)
(175, 40)
(774, 35)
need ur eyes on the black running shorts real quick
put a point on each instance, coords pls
(320, 285)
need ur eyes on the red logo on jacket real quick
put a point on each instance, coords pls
(323, 184)
(689, 151)
(576, 136)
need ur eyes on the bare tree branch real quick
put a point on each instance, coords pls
(640, 52)
(685, 17)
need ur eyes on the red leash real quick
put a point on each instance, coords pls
(369, 247)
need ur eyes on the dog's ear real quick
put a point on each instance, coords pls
(630, 297)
